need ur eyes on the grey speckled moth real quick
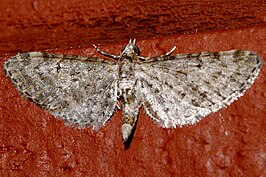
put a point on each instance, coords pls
(175, 90)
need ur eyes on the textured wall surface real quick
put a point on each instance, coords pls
(230, 142)
(28, 25)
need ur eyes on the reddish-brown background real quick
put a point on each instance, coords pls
(230, 142)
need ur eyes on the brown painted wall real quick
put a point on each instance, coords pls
(230, 142)
(62, 24)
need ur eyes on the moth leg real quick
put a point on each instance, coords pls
(169, 53)
(161, 56)
(144, 58)
(105, 54)
(118, 104)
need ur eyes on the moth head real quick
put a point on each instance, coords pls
(130, 49)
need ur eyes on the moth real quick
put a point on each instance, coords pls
(175, 90)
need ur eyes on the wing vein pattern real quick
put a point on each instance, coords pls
(182, 89)
(80, 90)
